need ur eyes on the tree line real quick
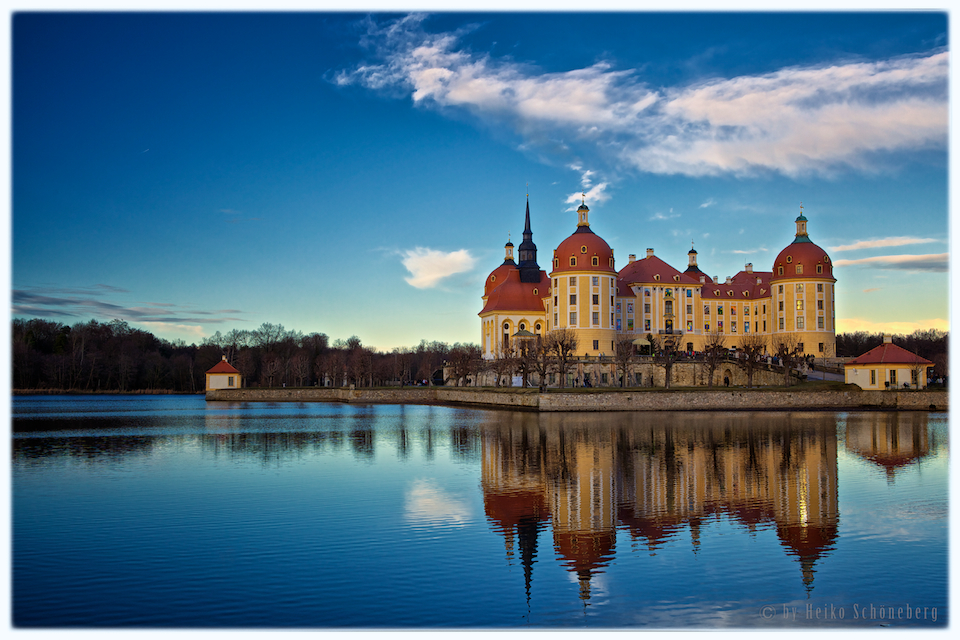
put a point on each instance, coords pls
(113, 356)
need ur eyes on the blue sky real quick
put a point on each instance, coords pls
(358, 174)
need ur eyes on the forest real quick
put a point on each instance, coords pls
(113, 356)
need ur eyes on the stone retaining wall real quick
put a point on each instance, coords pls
(699, 400)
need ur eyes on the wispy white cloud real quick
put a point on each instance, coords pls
(795, 121)
(597, 194)
(428, 267)
(757, 250)
(659, 215)
(929, 262)
(872, 289)
(897, 241)
(709, 203)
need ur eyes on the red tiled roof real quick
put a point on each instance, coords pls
(739, 284)
(802, 253)
(583, 244)
(222, 367)
(888, 353)
(645, 271)
(497, 276)
(513, 295)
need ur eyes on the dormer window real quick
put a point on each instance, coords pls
(789, 259)
(799, 269)
(656, 276)
(595, 261)
(573, 262)
(493, 278)
(556, 263)
(583, 249)
(779, 271)
(535, 291)
(826, 258)
(819, 268)
(730, 293)
(676, 278)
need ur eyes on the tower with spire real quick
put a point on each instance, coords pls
(529, 269)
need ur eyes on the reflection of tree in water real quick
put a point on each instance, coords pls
(890, 441)
(658, 474)
(93, 450)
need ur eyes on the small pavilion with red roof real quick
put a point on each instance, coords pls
(223, 376)
(887, 367)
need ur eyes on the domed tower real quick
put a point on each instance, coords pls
(583, 289)
(802, 296)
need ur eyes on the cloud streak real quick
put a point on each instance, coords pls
(796, 121)
(898, 241)
(928, 262)
(428, 267)
(91, 302)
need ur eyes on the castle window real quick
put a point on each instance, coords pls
(819, 268)
(689, 309)
(706, 328)
(820, 305)
(733, 310)
(706, 310)
(573, 281)
(646, 292)
(596, 345)
(799, 322)
(820, 324)
(229, 381)
(595, 281)
(819, 287)
(522, 326)
(656, 276)
(779, 271)
(573, 318)
(630, 308)
(596, 299)
(826, 258)
(799, 288)
(595, 318)
(720, 310)
(780, 289)
(799, 269)
(746, 327)
(800, 304)
(595, 261)
(535, 291)
(781, 305)
(538, 327)
(733, 327)
(676, 278)
(611, 263)
(689, 293)
(573, 262)
(789, 259)
(646, 307)
(554, 300)
(583, 249)
(573, 298)
(781, 324)
(556, 263)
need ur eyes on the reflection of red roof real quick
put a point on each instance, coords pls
(806, 254)
(513, 295)
(222, 367)
(888, 353)
(508, 508)
(583, 244)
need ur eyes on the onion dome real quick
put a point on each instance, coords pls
(802, 258)
(583, 250)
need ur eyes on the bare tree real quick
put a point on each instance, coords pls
(272, 365)
(665, 354)
(503, 363)
(752, 348)
(564, 343)
(624, 352)
(301, 368)
(464, 360)
(787, 348)
(543, 361)
(714, 351)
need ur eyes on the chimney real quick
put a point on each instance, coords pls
(703, 279)
(631, 258)
(749, 267)
(649, 253)
(714, 279)
(727, 280)
(887, 338)
(224, 358)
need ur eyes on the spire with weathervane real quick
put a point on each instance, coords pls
(801, 227)
(529, 269)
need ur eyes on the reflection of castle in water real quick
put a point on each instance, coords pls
(654, 479)
(892, 441)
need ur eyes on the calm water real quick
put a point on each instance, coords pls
(173, 512)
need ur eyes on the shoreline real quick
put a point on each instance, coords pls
(607, 400)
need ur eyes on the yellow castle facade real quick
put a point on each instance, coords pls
(584, 292)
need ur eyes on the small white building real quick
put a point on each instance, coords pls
(223, 376)
(887, 367)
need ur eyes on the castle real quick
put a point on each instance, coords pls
(585, 293)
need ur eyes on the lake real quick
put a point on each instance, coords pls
(169, 511)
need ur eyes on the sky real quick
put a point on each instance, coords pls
(360, 173)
